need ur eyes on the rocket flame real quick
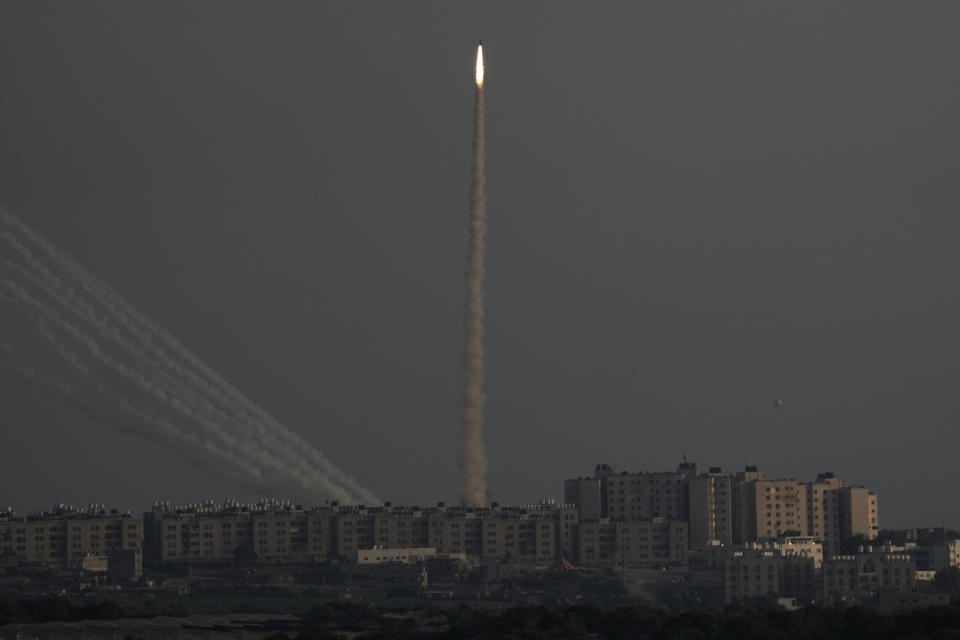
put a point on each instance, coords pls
(479, 65)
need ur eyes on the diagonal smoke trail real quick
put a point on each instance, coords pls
(231, 469)
(473, 491)
(154, 380)
(257, 470)
(116, 346)
(144, 331)
(210, 440)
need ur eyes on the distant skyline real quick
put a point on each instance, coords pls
(693, 210)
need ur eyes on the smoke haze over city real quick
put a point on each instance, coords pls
(695, 210)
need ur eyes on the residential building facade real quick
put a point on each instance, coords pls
(62, 537)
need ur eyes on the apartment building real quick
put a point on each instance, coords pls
(772, 508)
(823, 514)
(641, 496)
(751, 573)
(787, 568)
(278, 531)
(836, 512)
(872, 570)
(270, 531)
(937, 557)
(730, 508)
(62, 537)
(711, 509)
(653, 543)
(532, 534)
(584, 493)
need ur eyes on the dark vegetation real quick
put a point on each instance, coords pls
(641, 623)
(58, 610)
(335, 619)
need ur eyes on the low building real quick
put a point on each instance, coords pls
(415, 555)
(802, 547)
(125, 565)
(379, 555)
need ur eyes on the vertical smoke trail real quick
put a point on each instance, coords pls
(473, 492)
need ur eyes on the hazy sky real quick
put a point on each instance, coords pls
(694, 208)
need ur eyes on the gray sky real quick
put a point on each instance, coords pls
(694, 208)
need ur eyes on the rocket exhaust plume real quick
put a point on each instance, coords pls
(473, 492)
(129, 374)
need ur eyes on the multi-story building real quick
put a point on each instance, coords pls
(799, 579)
(858, 513)
(270, 531)
(740, 504)
(529, 534)
(62, 537)
(641, 496)
(730, 509)
(937, 557)
(584, 493)
(836, 512)
(653, 543)
(279, 532)
(400, 527)
(751, 573)
(787, 568)
(711, 509)
(860, 577)
(772, 508)
(823, 515)
(353, 529)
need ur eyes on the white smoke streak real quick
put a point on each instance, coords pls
(473, 491)
(229, 468)
(228, 434)
(46, 320)
(160, 382)
(155, 339)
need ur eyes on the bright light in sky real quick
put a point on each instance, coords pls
(479, 65)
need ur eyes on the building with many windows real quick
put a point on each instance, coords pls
(836, 512)
(711, 509)
(281, 532)
(786, 568)
(653, 543)
(871, 571)
(633, 497)
(62, 537)
(269, 530)
(731, 508)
